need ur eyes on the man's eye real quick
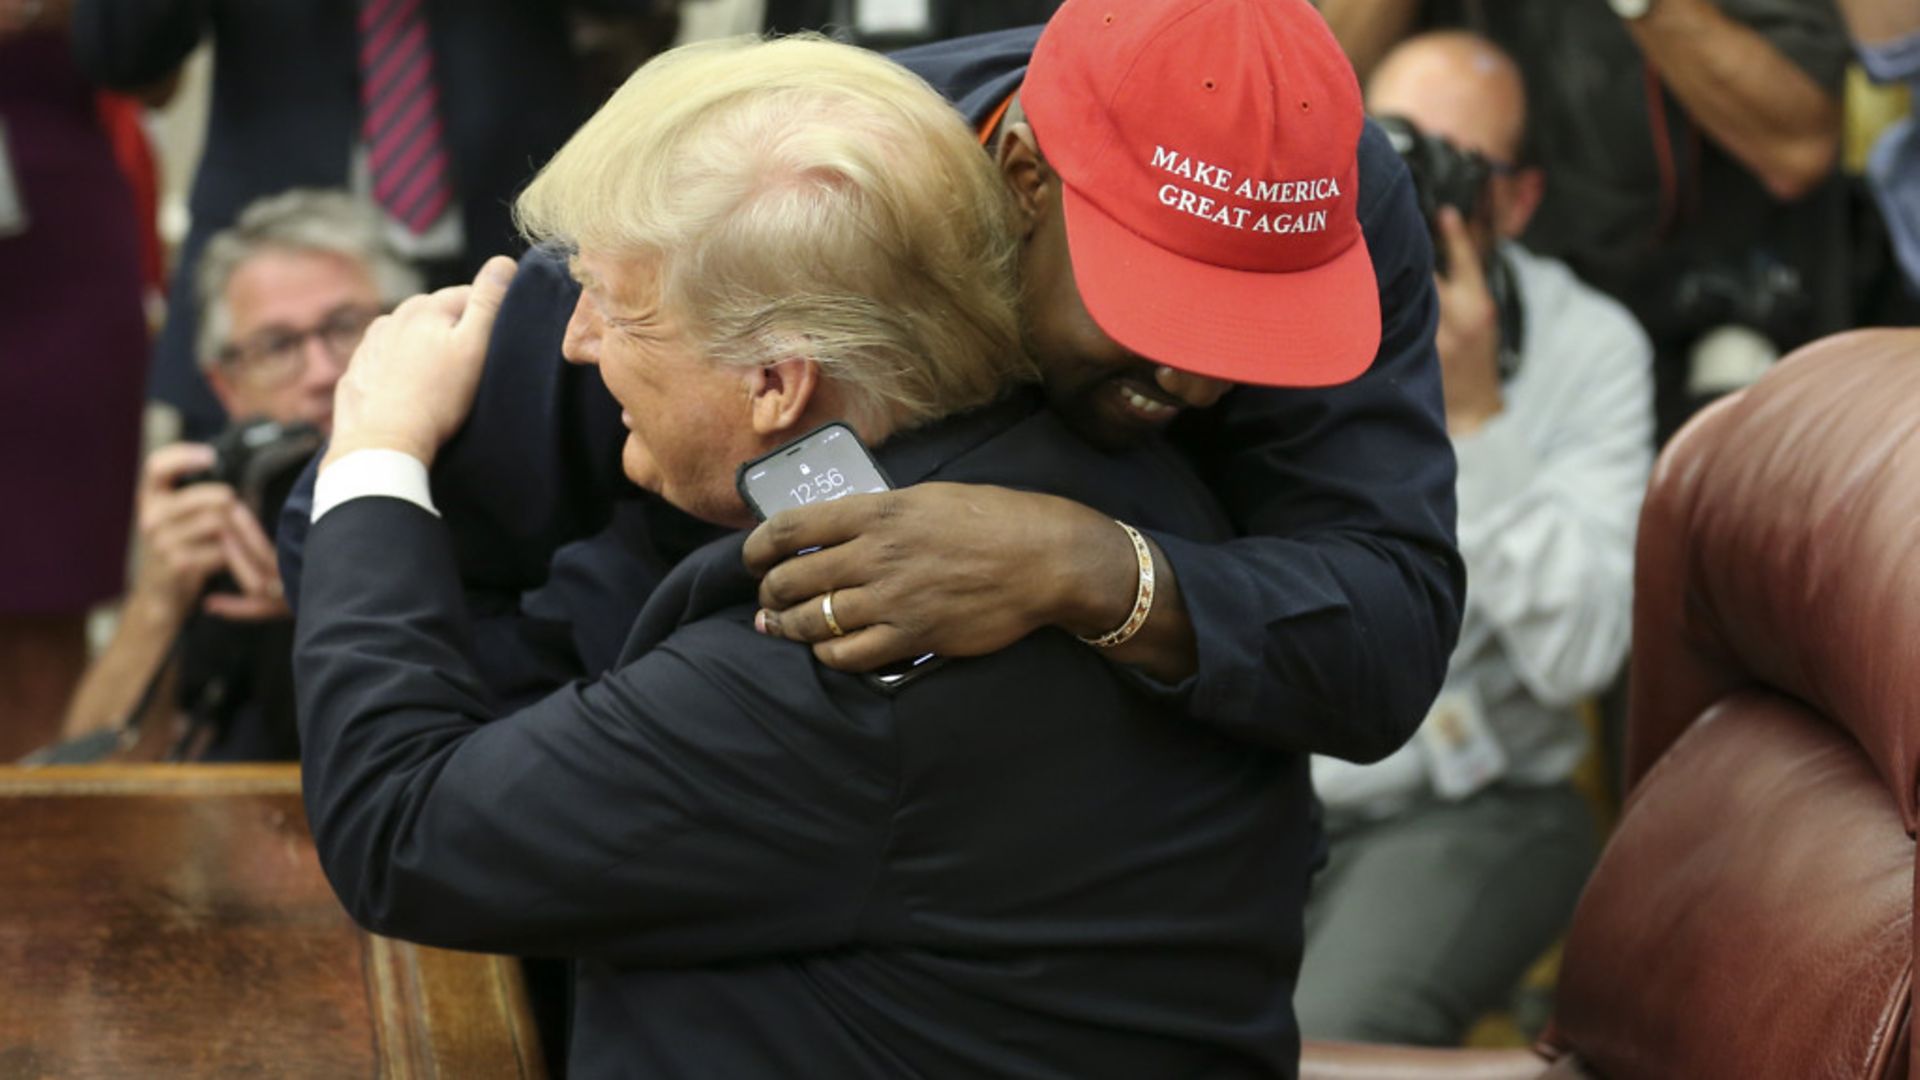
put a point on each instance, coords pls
(278, 344)
(347, 322)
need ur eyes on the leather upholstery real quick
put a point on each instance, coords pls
(1777, 545)
(1752, 916)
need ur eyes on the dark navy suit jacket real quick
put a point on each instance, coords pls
(1013, 867)
(1324, 627)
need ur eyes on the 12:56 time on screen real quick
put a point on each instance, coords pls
(828, 485)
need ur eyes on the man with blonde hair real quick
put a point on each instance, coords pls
(761, 866)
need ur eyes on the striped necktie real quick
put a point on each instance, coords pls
(400, 113)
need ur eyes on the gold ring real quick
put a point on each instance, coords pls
(826, 610)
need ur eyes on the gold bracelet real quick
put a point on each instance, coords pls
(1142, 597)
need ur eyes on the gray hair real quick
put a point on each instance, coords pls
(302, 220)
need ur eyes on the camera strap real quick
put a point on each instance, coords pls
(1676, 152)
(128, 730)
(1504, 286)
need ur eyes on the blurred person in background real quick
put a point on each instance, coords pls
(894, 23)
(1886, 33)
(73, 346)
(1456, 861)
(287, 293)
(435, 111)
(1691, 150)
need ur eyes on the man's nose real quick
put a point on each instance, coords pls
(1194, 391)
(582, 343)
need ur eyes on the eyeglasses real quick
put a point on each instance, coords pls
(277, 354)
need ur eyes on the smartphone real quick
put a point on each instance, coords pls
(827, 463)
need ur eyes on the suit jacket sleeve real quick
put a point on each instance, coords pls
(1327, 627)
(671, 812)
(537, 463)
(128, 44)
(523, 654)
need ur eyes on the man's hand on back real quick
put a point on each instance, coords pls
(412, 380)
(954, 569)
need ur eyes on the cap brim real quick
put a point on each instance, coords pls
(1317, 327)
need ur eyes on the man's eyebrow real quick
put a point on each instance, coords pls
(644, 317)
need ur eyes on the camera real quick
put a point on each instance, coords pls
(1443, 175)
(261, 459)
(1760, 291)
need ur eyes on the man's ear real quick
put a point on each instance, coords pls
(1525, 189)
(1027, 175)
(779, 393)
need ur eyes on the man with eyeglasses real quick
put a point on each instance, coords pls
(286, 294)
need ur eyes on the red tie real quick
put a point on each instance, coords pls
(400, 113)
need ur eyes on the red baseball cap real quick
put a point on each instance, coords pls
(1206, 150)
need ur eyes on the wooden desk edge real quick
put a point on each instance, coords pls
(399, 972)
(150, 779)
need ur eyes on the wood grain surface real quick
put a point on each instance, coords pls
(173, 921)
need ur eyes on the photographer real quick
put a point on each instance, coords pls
(1691, 145)
(204, 636)
(1455, 862)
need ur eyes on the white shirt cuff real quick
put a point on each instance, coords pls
(372, 472)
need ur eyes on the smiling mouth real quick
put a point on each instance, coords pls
(1146, 407)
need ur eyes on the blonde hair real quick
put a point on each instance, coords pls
(802, 197)
(300, 221)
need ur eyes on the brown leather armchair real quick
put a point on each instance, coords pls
(1752, 915)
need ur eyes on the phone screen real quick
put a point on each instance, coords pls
(825, 464)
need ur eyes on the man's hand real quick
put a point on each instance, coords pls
(1468, 338)
(954, 569)
(188, 534)
(180, 528)
(250, 559)
(411, 382)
